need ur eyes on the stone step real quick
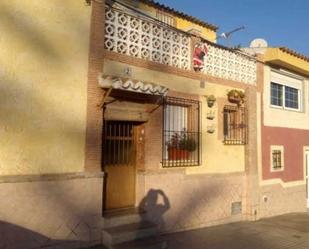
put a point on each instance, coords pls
(119, 234)
(123, 217)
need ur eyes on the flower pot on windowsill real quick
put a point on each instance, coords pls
(235, 99)
(178, 154)
(236, 96)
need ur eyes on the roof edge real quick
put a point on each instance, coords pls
(294, 53)
(180, 14)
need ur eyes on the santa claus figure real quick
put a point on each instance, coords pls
(200, 50)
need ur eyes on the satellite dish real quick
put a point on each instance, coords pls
(258, 43)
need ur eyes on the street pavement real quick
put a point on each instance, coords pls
(290, 231)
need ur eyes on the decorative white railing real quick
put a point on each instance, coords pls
(229, 65)
(141, 38)
(133, 36)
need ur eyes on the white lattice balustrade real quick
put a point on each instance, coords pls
(140, 38)
(230, 65)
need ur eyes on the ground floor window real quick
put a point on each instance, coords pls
(276, 158)
(234, 125)
(181, 132)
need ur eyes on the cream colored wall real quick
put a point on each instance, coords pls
(43, 75)
(216, 157)
(278, 117)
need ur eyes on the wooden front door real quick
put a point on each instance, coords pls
(119, 158)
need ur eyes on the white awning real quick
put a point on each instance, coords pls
(132, 85)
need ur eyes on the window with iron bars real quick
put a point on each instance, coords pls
(181, 132)
(234, 125)
(277, 158)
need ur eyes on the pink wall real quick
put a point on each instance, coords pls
(293, 141)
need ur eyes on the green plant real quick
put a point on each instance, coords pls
(187, 143)
(236, 96)
(182, 142)
(236, 93)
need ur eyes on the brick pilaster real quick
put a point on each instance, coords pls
(251, 188)
(94, 92)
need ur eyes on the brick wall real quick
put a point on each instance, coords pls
(94, 92)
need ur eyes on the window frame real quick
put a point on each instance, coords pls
(276, 148)
(283, 106)
(240, 133)
(195, 133)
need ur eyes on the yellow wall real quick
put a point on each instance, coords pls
(280, 58)
(43, 76)
(216, 157)
(184, 24)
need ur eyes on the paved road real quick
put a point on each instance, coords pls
(289, 231)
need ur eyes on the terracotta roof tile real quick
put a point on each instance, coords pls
(294, 53)
(180, 14)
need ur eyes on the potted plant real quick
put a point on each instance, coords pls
(236, 96)
(180, 146)
(211, 99)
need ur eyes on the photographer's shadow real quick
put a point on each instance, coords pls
(153, 206)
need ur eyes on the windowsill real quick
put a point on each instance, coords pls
(285, 109)
(180, 163)
(276, 170)
(233, 142)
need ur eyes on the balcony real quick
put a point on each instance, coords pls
(143, 38)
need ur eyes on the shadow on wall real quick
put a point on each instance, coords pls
(16, 237)
(155, 204)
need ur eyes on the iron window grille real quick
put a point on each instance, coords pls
(118, 147)
(234, 125)
(181, 132)
(276, 159)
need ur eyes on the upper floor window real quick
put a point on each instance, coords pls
(181, 132)
(166, 18)
(285, 96)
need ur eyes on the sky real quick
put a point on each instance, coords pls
(279, 22)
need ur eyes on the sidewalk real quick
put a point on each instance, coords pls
(289, 231)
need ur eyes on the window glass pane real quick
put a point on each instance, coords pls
(176, 118)
(291, 97)
(276, 94)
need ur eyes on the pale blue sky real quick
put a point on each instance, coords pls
(280, 22)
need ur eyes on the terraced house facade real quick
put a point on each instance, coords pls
(167, 86)
(128, 113)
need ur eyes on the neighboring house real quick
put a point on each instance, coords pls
(128, 111)
(283, 137)
(284, 132)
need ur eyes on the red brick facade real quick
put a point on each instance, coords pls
(94, 92)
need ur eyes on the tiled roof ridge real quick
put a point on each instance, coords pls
(294, 53)
(180, 14)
